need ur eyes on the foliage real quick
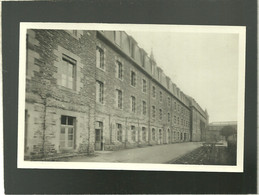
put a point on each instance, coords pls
(227, 131)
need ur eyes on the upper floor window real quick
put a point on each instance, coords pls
(117, 37)
(168, 101)
(119, 69)
(99, 58)
(168, 117)
(160, 114)
(175, 119)
(144, 108)
(144, 85)
(74, 32)
(68, 72)
(99, 92)
(133, 78)
(153, 91)
(153, 111)
(152, 68)
(119, 98)
(133, 104)
(160, 96)
(175, 106)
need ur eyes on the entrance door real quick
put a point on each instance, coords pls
(99, 136)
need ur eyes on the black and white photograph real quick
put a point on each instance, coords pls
(131, 97)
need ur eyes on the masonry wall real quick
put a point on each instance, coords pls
(159, 130)
(47, 100)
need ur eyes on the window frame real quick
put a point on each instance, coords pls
(133, 104)
(119, 98)
(72, 62)
(144, 85)
(101, 64)
(67, 127)
(119, 72)
(100, 92)
(133, 78)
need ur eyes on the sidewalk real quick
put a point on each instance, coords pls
(150, 154)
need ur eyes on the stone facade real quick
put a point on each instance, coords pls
(97, 90)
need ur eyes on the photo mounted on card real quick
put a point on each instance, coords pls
(131, 97)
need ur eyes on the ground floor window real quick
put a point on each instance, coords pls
(168, 136)
(153, 134)
(144, 134)
(67, 132)
(119, 132)
(133, 133)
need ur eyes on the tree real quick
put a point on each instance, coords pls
(227, 131)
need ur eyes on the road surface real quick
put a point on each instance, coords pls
(149, 154)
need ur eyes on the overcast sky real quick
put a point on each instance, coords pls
(203, 65)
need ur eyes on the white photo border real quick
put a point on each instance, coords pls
(241, 30)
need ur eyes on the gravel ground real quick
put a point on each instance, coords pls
(203, 155)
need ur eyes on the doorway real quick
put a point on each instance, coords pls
(99, 145)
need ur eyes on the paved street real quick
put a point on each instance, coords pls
(149, 154)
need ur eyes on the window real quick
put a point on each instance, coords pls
(99, 92)
(99, 58)
(181, 121)
(175, 119)
(133, 79)
(68, 72)
(144, 138)
(160, 114)
(178, 108)
(175, 107)
(144, 85)
(119, 132)
(133, 104)
(178, 120)
(144, 108)
(67, 132)
(161, 96)
(153, 91)
(133, 133)
(153, 111)
(168, 117)
(153, 134)
(119, 98)
(74, 32)
(119, 70)
(168, 101)
(118, 37)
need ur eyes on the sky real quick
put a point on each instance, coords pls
(202, 65)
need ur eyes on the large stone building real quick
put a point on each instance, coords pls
(98, 90)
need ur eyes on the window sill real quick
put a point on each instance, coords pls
(99, 103)
(100, 69)
(67, 89)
